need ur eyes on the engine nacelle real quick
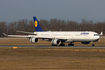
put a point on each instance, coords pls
(56, 42)
(34, 40)
(85, 42)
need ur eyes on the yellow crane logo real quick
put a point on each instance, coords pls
(36, 23)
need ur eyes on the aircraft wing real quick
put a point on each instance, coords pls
(25, 36)
(40, 37)
(48, 37)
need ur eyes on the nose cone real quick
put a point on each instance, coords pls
(96, 38)
(99, 37)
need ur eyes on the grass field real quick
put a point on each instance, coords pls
(50, 59)
(31, 59)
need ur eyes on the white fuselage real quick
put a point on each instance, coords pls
(70, 36)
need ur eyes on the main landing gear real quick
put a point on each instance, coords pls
(71, 44)
(53, 45)
(62, 44)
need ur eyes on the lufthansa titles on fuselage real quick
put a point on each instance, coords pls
(84, 33)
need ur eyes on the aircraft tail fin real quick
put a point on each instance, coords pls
(37, 25)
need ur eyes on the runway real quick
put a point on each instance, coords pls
(32, 46)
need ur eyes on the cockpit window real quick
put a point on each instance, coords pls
(96, 34)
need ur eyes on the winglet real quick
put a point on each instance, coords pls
(5, 34)
(101, 33)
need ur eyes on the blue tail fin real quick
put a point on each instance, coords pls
(37, 26)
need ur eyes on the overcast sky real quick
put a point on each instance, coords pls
(73, 10)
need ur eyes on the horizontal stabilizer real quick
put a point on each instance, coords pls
(26, 32)
(5, 34)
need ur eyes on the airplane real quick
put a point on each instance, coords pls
(60, 37)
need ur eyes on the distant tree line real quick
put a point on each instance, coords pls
(52, 25)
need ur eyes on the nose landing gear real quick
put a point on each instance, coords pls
(93, 44)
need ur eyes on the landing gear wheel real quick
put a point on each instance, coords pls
(62, 45)
(93, 45)
(70, 44)
(54, 45)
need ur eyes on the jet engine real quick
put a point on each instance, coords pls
(85, 42)
(34, 40)
(56, 42)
